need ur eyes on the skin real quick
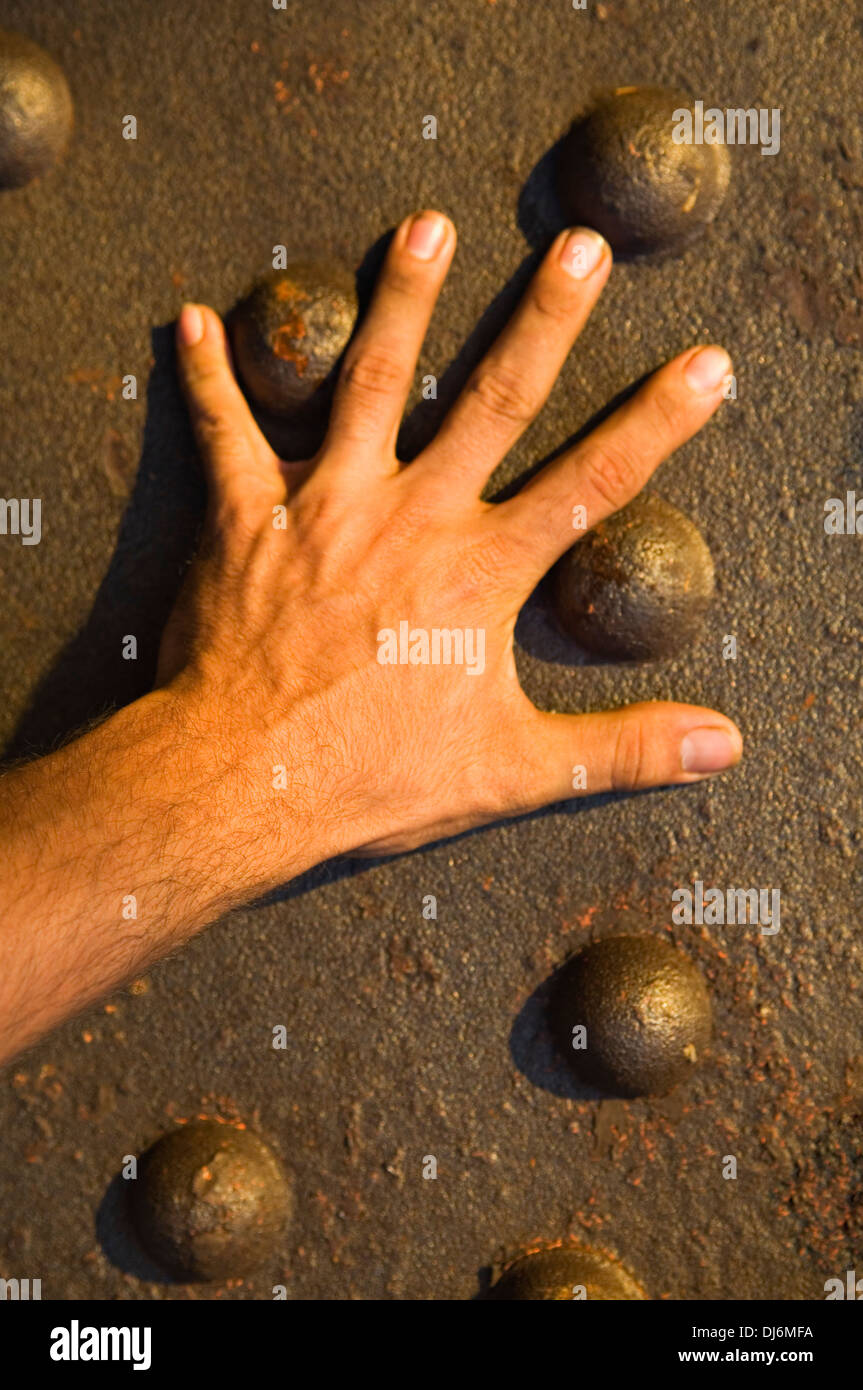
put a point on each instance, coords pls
(270, 658)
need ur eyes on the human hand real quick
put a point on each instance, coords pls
(273, 649)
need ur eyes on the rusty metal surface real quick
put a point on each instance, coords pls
(410, 1037)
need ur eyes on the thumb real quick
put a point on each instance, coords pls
(652, 744)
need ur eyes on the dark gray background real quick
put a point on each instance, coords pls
(410, 1037)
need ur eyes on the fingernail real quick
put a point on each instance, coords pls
(426, 235)
(709, 750)
(708, 369)
(191, 325)
(581, 252)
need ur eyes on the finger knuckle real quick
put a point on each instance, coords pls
(502, 394)
(485, 562)
(669, 414)
(212, 426)
(372, 374)
(628, 759)
(237, 525)
(614, 472)
(551, 305)
(403, 279)
(211, 435)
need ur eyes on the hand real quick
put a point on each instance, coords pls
(273, 651)
(276, 737)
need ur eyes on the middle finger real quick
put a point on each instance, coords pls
(513, 381)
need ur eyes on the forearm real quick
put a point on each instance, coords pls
(279, 736)
(116, 850)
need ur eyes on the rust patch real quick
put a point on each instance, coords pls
(287, 290)
(284, 342)
(327, 74)
(100, 381)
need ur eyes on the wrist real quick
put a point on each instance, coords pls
(169, 806)
(241, 805)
